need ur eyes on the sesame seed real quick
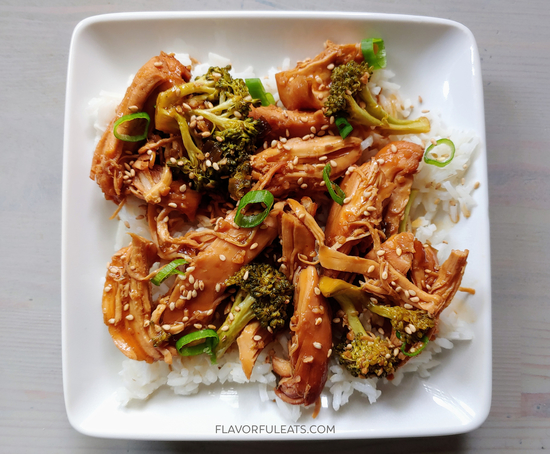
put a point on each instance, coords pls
(304, 186)
(194, 293)
(254, 246)
(112, 321)
(231, 316)
(166, 327)
(245, 277)
(317, 345)
(347, 199)
(300, 180)
(412, 292)
(185, 319)
(209, 311)
(222, 257)
(407, 306)
(172, 205)
(108, 288)
(371, 269)
(126, 307)
(318, 321)
(333, 163)
(257, 338)
(191, 279)
(317, 291)
(201, 285)
(190, 269)
(395, 351)
(225, 328)
(323, 158)
(425, 110)
(146, 323)
(412, 328)
(218, 288)
(407, 330)
(415, 299)
(336, 320)
(158, 64)
(313, 130)
(307, 359)
(172, 305)
(381, 252)
(388, 355)
(371, 209)
(212, 327)
(477, 184)
(273, 143)
(198, 325)
(398, 251)
(130, 317)
(295, 161)
(384, 275)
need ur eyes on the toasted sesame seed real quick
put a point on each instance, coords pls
(198, 325)
(130, 317)
(185, 319)
(224, 328)
(318, 321)
(303, 186)
(336, 320)
(209, 311)
(212, 327)
(218, 288)
(333, 163)
(300, 180)
(257, 338)
(412, 292)
(407, 306)
(318, 345)
(380, 252)
(273, 143)
(172, 205)
(384, 275)
(307, 359)
(408, 330)
(194, 293)
(425, 110)
(254, 246)
(295, 160)
(166, 327)
(347, 199)
(191, 279)
(158, 64)
(371, 209)
(415, 299)
(222, 257)
(398, 251)
(172, 305)
(112, 321)
(371, 269)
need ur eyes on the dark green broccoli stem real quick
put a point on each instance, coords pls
(241, 314)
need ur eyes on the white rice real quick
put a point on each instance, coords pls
(187, 376)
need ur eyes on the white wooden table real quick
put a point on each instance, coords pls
(514, 43)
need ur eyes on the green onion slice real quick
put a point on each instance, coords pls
(374, 52)
(168, 270)
(446, 146)
(211, 340)
(257, 91)
(405, 220)
(254, 220)
(334, 190)
(124, 119)
(344, 127)
(425, 341)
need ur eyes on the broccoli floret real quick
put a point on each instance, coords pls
(411, 325)
(361, 352)
(264, 294)
(351, 98)
(228, 137)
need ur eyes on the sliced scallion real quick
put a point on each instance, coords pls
(343, 127)
(131, 117)
(425, 341)
(404, 222)
(211, 340)
(333, 189)
(374, 52)
(257, 91)
(254, 220)
(443, 159)
(168, 270)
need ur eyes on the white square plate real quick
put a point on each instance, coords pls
(432, 57)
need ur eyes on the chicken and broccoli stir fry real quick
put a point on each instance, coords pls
(309, 233)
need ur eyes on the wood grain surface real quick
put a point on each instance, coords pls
(514, 43)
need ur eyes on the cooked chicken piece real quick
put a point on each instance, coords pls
(196, 296)
(127, 304)
(296, 164)
(449, 278)
(161, 226)
(290, 123)
(398, 251)
(252, 340)
(311, 343)
(307, 86)
(400, 162)
(298, 244)
(158, 74)
(425, 265)
(377, 193)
